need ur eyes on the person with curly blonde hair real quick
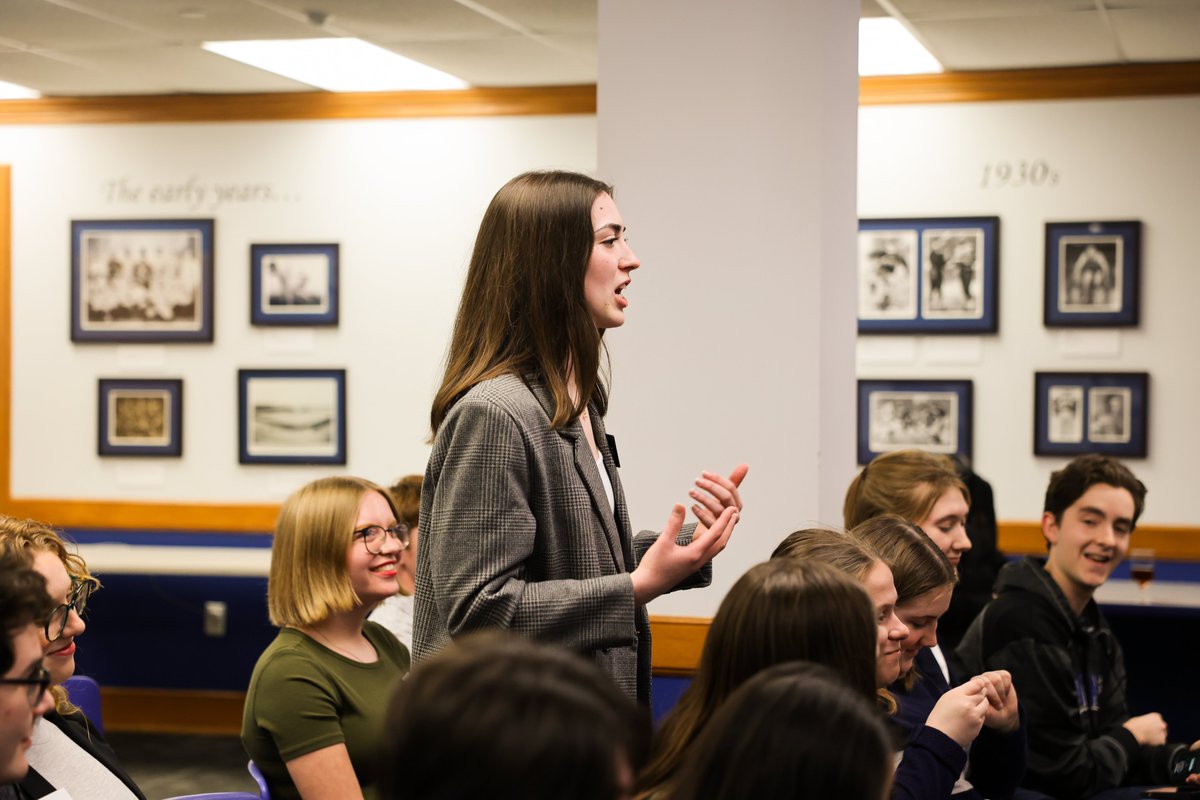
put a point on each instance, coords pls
(68, 752)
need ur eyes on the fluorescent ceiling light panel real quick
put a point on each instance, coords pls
(12, 91)
(885, 47)
(337, 64)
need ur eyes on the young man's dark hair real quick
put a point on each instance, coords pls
(1069, 483)
(23, 599)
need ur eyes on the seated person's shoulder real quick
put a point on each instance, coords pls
(1022, 615)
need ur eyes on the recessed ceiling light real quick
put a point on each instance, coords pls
(12, 91)
(885, 47)
(337, 64)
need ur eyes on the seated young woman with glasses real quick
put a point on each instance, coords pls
(318, 695)
(68, 752)
(24, 695)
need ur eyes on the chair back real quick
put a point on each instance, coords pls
(255, 773)
(85, 693)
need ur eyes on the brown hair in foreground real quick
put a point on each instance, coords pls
(498, 716)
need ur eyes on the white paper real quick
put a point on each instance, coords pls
(954, 350)
(298, 341)
(141, 476)
(141, 358)
(1087, 343)
(886, 350)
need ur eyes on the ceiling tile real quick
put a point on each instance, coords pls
(1048, 41)
(514, 61)
(1163, 33)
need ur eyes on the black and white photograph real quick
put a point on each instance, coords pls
(1091, 412)
(292, 416)
(1092, 274)
(935, 275)
(1109, 414)
(1066, 414)
(952, 275)
(928, 415)
(294, 284)
(1089, 273)
(141, 280)
(887, 274)
(140, 417)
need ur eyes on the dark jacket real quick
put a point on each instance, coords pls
(81, 732)
(1070, 676)
(996, 760)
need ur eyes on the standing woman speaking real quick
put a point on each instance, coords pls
(523, 520)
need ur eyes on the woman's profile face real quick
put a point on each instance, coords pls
(890, 631)
(920, 615)
(946, 525)
(60, 654)
(373, 576)
(609, 266)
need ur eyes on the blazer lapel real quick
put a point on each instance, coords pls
(585, 466)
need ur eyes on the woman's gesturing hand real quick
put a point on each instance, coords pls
(666, 563)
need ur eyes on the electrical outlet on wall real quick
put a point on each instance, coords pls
(214, 618)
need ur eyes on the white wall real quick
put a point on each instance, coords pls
(1115, 160)
(402, 197)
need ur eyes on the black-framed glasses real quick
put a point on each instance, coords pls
(56, 623)
(36, 684)
(373, 537)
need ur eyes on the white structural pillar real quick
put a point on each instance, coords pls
(729, 130)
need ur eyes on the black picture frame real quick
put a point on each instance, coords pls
(294, 284)
(1091, 412)
(1093, 274)
(139, 417)
(292, 416)
(937, 275)
(932, 415)
(142, 280)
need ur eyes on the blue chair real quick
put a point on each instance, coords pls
(85, 693)
(264, 794)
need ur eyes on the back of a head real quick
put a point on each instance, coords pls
(918, 565)
(903, 482)
(794, 730)
(34, 537)
(779, 611)
(406, 494)
(1071, 482)
(498, 716)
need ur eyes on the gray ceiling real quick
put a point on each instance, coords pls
(112, 47)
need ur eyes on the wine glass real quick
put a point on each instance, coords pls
(1141, 569)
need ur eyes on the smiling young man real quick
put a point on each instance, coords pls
(1046, 629)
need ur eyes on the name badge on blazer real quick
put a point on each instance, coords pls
(612, 448)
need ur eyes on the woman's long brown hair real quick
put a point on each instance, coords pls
(523, 310)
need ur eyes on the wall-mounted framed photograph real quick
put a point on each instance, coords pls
(1093, 274)
(147, 280)
(930, 275)
(292, 416)
(932, 415)
(1091, 412)
(139, 417)
(294, 284)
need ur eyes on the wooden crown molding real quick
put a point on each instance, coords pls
(1066, 83)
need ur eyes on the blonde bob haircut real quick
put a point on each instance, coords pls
(30, 537)
(309, 581)
(907, 483)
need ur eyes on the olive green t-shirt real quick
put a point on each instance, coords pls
(304, 696)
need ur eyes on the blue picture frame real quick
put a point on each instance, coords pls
(1091, 412)
(936, 275)
(146, 280)
(932, 415)
(139, 417)
(1093, 274)
(292, 416)
(294, 284)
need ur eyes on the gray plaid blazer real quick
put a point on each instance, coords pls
(517, 533)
